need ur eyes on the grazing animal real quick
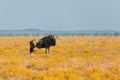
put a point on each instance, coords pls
(45, 42)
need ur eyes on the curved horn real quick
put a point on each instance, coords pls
(56, 37)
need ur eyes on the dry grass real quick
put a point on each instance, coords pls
(73, 58)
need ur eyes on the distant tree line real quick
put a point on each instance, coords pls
(64, 34)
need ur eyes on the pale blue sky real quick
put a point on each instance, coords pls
(60, 14)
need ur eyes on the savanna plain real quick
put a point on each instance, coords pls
(73, 58)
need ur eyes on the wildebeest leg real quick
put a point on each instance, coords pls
(47, 50)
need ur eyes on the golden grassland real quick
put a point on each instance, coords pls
(73, 58)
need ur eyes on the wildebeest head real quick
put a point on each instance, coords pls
(33, 45)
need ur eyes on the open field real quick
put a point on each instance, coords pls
(73, 58)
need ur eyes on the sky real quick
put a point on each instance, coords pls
(60, 14)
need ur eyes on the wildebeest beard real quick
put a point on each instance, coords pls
(45, 42)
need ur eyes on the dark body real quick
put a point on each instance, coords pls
(45, 42)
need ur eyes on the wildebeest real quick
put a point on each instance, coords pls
(45, 42)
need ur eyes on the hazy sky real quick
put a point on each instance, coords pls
(60, 14)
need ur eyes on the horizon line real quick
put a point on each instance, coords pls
(36, 29)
